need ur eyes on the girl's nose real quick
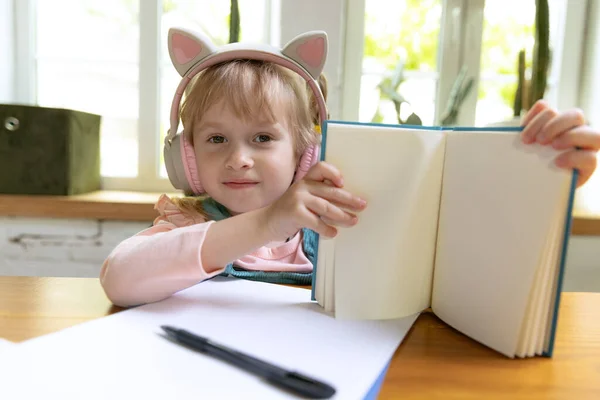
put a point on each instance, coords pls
(239, 159)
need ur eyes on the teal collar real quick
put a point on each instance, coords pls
(216, 210)
(310, 242)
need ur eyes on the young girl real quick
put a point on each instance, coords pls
(248, 160)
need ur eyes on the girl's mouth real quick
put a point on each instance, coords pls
(240, 184)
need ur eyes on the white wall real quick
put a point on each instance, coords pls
(584, 252)
(6, 51)
(328, 16)
(590, 76)
(59, 247)
(583, 265)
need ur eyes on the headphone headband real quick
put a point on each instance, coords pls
(192, 52)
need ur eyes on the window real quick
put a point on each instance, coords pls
(433, 40)
(110, 57)
(428, 40)
(506, 32)
(400, 35)
(87, 58)
(181, 13)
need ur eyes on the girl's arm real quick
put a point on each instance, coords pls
(233, 238)
(165, 259)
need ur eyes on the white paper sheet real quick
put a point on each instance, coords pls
(124, 356)
(5, 344)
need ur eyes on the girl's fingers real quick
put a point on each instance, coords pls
(560, 124)
(340, 197)
(330, 212)
(320, 226)
(534, 127)
(323, 172)
(323, 229)
(326, 203)
(583, 137)
(329, 222)
(583, 160)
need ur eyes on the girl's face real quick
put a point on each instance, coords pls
(244, 165)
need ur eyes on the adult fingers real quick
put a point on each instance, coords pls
(535, 126)
(583, 137)
(560, 124)
(537, 107)
(584, 161)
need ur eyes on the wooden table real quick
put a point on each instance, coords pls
(434, 361)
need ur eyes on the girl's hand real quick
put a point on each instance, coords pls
(564, 131)
(317, 202)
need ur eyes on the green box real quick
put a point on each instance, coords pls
(48, 151)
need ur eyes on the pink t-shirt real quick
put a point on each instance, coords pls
(166, 258)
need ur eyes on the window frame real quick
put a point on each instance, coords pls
(149, 146)
(344, 22)
(461, 23)
(461, 32)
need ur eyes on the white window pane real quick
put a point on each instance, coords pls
(422, 91)
(505, 33)
(212, 17)
(88, 29)
(103, 88)
(495, 99)
(400, 31)
(88, 61)
(118, 147)
(110, 90)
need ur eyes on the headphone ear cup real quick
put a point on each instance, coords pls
(174, 164)
(309, 158)
(190, 168)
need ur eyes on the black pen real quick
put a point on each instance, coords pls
(290, 380)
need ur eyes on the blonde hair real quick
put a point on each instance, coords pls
(251, 88)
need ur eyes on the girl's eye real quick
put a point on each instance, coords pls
(263, 138)
(216, 139)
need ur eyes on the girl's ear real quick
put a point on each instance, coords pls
(187, 47)
(309, 50)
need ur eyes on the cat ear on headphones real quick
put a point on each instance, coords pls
(309, 50)
(187, 47)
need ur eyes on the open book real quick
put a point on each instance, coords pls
(468, 221)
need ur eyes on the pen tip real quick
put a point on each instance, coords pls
(168, 329)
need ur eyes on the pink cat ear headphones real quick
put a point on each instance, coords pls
(192, 52)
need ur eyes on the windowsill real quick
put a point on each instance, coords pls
(585, 221)
(103, 204)
(138, 206)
